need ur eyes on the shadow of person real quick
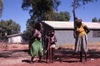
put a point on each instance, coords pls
(37, 61)
(26, 61)
(71, 61)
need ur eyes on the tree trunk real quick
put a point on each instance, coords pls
(74, 14)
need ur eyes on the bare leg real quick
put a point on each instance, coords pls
(40, 58)
(47, 57)
(50, 55)
(85, 56)
(32, 59)
(53, 50)
(80, 56)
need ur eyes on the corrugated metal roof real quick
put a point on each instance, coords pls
(70, 25)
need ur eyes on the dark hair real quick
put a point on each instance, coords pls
(48, 32)
(37, 26)
(79, 20)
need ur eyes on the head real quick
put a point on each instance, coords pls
(48, 33)
(37, 26)
(78, 21)
(52, 33)
(41, 25)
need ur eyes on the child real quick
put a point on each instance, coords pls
(50, 45)
(47, 44)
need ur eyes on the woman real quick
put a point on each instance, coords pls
(35, 45)
(81, 31)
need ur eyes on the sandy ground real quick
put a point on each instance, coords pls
(17, 55)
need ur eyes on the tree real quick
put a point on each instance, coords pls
(51, 16)
(78, 3)
(38, 8)
(29, 27)
(63, 16)
(9, 27)
(99, 20)
(1, 7)
(94, 19)
(54, 16)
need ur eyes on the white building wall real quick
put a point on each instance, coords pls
(15, 39)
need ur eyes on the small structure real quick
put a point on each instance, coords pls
(64, 31)
(15, 38)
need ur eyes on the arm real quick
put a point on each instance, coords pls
(33, 34)
(48, 44)
(87, 30)
(75, 33)
(55, 39)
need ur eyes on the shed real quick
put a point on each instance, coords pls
(64, 31)
(15, 38)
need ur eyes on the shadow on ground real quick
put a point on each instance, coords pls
(13, 53)
(62, 55)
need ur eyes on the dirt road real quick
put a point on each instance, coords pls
(64, 57)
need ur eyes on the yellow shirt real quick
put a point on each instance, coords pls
(80, 30)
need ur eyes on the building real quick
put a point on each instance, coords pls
(64, 31)
(15, 38)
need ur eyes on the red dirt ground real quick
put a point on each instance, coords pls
(17, 55)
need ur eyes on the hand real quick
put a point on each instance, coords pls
(75, 36)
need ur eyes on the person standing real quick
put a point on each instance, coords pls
(35, 43)
(53, 41)
(81, 31)
(50, 40)
(47, 46)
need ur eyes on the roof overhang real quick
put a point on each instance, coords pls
(64, 25)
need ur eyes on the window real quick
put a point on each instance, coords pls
(96, 33)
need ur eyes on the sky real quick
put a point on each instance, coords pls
(12, 10)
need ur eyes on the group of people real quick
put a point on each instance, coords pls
(37, 49)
